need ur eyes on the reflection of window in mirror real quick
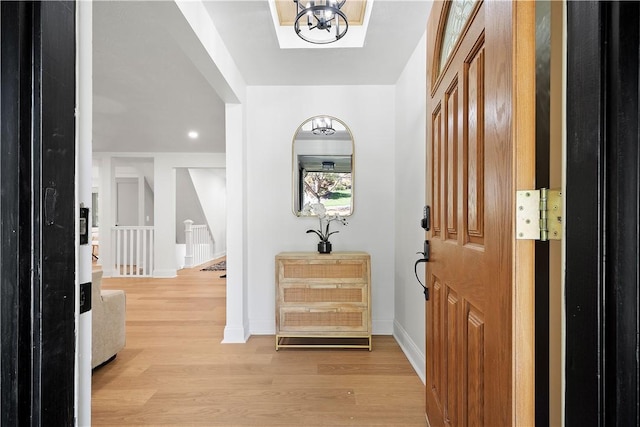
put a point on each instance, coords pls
(326, 181)
(94, 209)
(323, 166)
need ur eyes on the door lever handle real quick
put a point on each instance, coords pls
(425, 258)
(427, 251)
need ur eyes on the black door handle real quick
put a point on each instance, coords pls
(425, 258)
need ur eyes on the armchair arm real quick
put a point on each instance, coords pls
(108, 325)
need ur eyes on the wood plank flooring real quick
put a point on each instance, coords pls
(175, 372)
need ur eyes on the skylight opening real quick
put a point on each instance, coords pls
(288, 39)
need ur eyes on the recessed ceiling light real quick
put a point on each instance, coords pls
(193, 134)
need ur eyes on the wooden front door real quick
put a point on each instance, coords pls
(479, 329)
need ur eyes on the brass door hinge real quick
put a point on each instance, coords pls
(539, 215)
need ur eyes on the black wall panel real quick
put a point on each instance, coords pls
(37, 215)
(602, 214)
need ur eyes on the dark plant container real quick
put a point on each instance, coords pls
(324, 247)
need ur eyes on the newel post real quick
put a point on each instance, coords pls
(188, 239)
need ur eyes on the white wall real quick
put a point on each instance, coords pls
(236, 329)
(273, 115)
(164, 215)
(84, 127)
(165, 165)
(211, 187)
(127, 201)
(220, 70)
(148, 204)
(188, 206)
(410, 163)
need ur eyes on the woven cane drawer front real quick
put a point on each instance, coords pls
(296, 269)
(319, 320)
(296, 294)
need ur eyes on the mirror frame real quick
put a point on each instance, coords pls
(294, 163)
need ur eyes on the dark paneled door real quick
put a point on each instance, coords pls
(37, 215)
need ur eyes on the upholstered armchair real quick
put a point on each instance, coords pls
(108, 320)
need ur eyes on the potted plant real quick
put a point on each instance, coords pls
(318, 209)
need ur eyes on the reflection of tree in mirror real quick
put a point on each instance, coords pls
(333, 189)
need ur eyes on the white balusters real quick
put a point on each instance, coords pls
(188, 239)
(132, 251)
(199, 244)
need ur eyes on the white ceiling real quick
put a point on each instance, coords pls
(148, 94)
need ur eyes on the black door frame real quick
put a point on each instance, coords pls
(602, 214)
(37, 214)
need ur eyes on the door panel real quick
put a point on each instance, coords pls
(473, 155)
(475, 367)
(470, 164)
(435, 386)
(453, 372)
(451, 160)
(435, 148)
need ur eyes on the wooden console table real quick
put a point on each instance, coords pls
(323, 300)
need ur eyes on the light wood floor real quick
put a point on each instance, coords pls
(174, 370)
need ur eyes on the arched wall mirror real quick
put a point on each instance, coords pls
(323, 165)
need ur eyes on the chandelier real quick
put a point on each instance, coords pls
(325, 22)
(328, 166)
(322, 126)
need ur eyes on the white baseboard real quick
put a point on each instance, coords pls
(414, 354)
(235, 335)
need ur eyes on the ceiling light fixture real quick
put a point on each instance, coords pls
(322, 126)
(328, 166)
(324, 16)
(193, 134)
